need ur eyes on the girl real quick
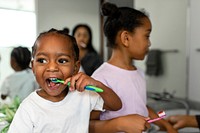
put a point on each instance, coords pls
(90, 59)
(127, 31)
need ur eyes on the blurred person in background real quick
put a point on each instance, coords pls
(90, 59)
(183, 121)
(22, 82)
(66, 30)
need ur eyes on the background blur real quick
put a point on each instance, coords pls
(175, 32)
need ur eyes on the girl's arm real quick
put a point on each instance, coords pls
(163, 124)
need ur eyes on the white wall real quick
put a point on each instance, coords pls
(5, 68)
(68, 13)
(194, 43)
(169, 33)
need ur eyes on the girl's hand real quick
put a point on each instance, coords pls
(170, 129)
(166, 126)
(133, 123)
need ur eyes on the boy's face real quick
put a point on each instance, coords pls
(54, 58)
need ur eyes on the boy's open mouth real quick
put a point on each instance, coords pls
(50, 82)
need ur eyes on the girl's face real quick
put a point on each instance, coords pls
(53, 58)
(140, 41)
(82, 37)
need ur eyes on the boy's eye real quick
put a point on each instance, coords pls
(62, 61)
(41, 60)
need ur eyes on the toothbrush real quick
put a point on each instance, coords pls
(88, 87)
(161, 115)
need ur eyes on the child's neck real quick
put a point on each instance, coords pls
(121, 64)
(121, 60)
(44, 95)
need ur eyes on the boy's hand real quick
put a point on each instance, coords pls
(79, 81)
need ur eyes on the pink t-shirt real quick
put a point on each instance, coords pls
(129, 85)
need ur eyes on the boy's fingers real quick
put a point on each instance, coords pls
(66, 81)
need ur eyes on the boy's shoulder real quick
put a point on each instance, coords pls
(30, 97)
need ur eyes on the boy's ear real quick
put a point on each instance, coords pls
(124, 38)
(32, 67)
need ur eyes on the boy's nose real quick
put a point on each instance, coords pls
(52, 66)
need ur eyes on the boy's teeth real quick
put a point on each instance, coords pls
(52, 78)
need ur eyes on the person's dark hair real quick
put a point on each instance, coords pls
(60, 32)
(89, 45)
(120, 18)
(66, 30)
(22, 55)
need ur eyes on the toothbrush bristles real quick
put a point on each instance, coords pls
(57, 81)
(54, 80)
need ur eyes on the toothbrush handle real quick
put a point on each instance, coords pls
(156, 119)
(61, 81)
(93, 88)
(90, 88)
